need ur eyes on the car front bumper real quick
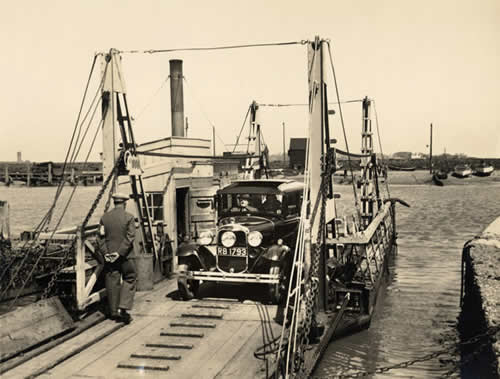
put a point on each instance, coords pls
(217, 276)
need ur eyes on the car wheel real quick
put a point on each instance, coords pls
(188, 288)
(274, 290)
(194, 286)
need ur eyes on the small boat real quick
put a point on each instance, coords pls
(484, 169)
(462, 171)
(437, 180)
(396, 168)
(441, 174)
(18, 183)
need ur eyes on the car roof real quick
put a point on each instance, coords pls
(275, 186)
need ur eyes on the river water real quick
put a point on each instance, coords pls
(418, 309)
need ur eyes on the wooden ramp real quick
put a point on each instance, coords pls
(31, 325)
(172, 339)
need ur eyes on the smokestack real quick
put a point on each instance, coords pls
(19, 157)
(177, 97)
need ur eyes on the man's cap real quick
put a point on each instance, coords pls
(120, 197)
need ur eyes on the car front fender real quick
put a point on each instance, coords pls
(195, 256)
(276, 253)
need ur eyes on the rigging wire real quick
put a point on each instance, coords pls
(356, 201)
(381, 151)
(278, 105)
(152, 98)
(297, 268)
(211, 48)
(57, 224)
(47, 217)
(241, 129)
(204, 112)
(29, 245)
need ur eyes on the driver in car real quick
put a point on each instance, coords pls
(244, 204)
(272, 204)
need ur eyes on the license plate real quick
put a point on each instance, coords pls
(232, 251)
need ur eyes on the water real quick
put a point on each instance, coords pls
(416, 313)
(29, 204)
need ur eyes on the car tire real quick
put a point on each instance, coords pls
(274, 290)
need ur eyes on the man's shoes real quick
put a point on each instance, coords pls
(123, 316)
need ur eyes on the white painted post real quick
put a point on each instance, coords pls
(113, 83)
(316, 148)
(81, 295)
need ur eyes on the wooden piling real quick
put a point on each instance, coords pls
(28, 174)
(4, 220)
(49, 173)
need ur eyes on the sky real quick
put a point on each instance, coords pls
(422, 62)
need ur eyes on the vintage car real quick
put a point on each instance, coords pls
(254, 240)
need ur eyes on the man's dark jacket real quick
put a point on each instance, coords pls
(119, 233)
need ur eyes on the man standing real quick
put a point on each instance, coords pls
(116, 237)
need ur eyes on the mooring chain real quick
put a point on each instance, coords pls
(491, 331)
(467, 359)
(69, 252)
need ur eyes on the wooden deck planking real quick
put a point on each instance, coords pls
(217, 352)
(102, 358)
(32, 324)
(244, 364)
(42, 360)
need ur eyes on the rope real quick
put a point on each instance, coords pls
(356, 201)
(228, 47)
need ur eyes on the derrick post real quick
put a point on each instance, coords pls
(112, 85)
(316, 163)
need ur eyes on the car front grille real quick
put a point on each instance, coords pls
(234, 263)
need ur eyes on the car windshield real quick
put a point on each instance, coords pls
(251, 203)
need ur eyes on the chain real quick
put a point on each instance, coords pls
(312, 291)
(491, 331)
(69, 252)
(111, 175)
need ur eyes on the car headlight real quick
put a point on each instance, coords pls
(228, 239)
(206, 237)
(254, 238)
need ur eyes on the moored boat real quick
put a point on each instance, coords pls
(397, 168)
(484, 169)
(462, 171)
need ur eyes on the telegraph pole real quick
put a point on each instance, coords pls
(284, 156)
(430, 153)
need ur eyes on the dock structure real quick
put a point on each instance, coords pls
(33, 174)
(480, 299)
(205, 338)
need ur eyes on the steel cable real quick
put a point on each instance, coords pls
(47, 217)
(356, 201)
(228, 47)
